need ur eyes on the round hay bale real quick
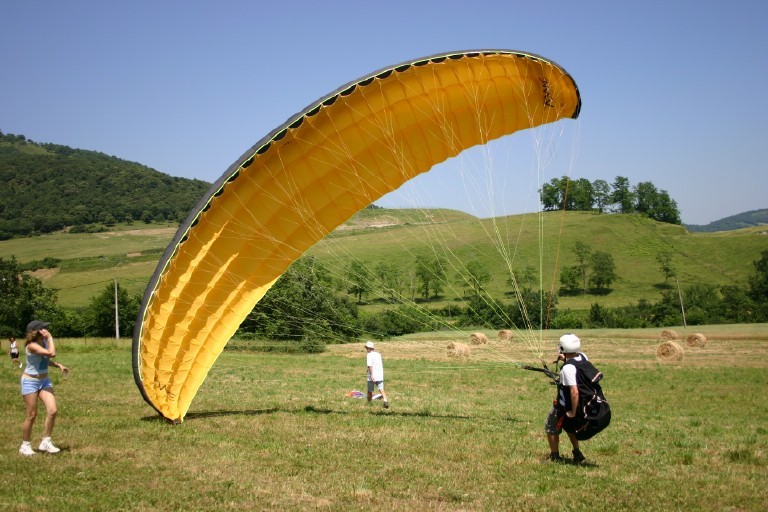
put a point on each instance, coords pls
(457, 349)
(696, 340)
(505, 335)
(669, 334)
(669, 351)
(478, 338)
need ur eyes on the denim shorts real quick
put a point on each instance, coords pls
(29, 386)
(379, 385)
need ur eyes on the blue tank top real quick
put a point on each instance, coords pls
(37, 364)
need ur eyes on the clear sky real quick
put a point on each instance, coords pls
(673, 91)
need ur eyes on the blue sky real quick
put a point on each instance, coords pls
(673, 91)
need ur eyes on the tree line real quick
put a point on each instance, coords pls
(309, 307)
(307, 303)
(618, 197)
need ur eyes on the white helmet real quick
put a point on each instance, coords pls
(569, 343)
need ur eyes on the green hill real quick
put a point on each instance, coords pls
(91, 260)
(92, 201)
(48, 187)
(633, 241)
(741, 220)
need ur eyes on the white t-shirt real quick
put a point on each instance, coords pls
(373, 359)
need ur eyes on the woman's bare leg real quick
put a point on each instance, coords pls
(30, 404)
(49, 399)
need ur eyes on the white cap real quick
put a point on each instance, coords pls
(368, 344)
(569, 343)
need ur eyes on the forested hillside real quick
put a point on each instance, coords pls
(741, 220)
(47, 187)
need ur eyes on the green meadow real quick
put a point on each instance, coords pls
(130, 253)
(278, 432)
(270, 431)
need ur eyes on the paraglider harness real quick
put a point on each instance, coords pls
(593, 412)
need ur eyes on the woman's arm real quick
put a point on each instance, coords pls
(38, 349)
(60, 366)
(51, 344)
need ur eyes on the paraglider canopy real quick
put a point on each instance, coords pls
(308, 176)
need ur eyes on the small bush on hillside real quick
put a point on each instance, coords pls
(567, 320)
(88, 228)
(397, 322)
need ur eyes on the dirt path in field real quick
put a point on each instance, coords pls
(135, 232)
(45, 273)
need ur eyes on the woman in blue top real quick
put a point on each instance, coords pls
(35, 383)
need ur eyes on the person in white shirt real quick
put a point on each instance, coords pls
(14, 351)
(567, 399)
(375, 371)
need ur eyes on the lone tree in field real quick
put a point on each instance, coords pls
(100, 315)
(525, 278)
(301, 304)
(431, 274)
(583, 253)
(603, 270)
(358, 279)
(391, 279)
(475, 275)
(667, 265)
(569, 279)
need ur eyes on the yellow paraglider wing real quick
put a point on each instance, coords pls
(309, 176)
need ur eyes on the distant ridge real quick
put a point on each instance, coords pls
(738, 221)
(88, 188)
(49, 187)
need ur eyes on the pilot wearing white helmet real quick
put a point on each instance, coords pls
(569, 348)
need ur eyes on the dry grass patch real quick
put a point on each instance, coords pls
(45, 273)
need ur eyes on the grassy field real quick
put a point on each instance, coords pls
(130, 253)
(633, 241)
(277, 432)
(92, 260)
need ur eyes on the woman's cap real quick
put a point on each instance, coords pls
(368, 344)
(36, 325)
